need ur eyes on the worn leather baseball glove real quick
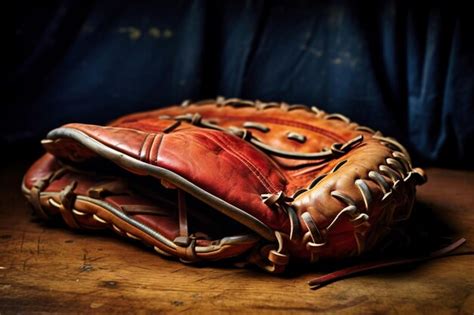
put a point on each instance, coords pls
(265, 183)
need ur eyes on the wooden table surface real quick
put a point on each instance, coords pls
(49, 268)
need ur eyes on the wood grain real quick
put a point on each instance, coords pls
(49, 268)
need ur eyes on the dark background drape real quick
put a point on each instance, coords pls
(405, 68)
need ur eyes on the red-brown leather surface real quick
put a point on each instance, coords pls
(220, 163)
(238, 172)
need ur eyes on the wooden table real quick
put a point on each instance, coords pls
(48, 268)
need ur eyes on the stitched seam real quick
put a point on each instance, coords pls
(148, 151)
(151, 157)
(141, 148)
(158, 150)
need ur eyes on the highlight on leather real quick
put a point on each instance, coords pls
(264, 183)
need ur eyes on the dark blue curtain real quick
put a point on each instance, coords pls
(405, 68)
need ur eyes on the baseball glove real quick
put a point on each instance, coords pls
(263, 183)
